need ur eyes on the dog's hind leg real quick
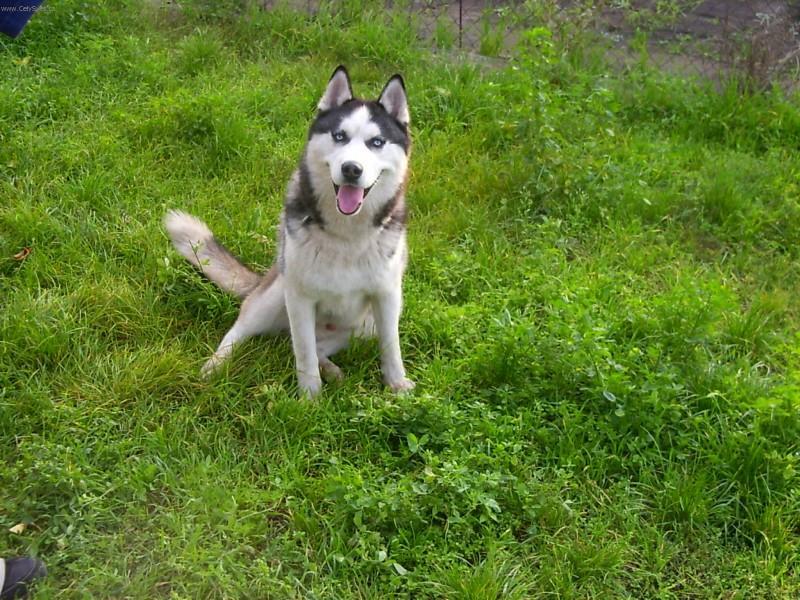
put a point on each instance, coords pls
(329, 342)
(263, 311)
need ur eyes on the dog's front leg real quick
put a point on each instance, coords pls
(386, 310)
(302, 319)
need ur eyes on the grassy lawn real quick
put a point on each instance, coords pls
(601, 315)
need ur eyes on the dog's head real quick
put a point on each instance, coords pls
(358, 150)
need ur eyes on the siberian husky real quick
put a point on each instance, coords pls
(341, 241)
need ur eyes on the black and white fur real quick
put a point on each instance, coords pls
(342, 241)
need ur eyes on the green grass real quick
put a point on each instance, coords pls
(601, 314)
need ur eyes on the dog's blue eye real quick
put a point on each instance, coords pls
(339, 136)
(377, 142)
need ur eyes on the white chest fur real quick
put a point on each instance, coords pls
(342, 275)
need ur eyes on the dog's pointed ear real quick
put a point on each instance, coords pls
(393, 98)
(338, 91)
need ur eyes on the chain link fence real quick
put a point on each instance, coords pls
(756, 42)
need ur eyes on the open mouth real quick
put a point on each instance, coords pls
(349, 198)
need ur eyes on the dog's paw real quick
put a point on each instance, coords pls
(330, 371)
(210, 367)
(401, 386)
(310, 385)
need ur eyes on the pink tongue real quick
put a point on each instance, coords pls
(349, 198)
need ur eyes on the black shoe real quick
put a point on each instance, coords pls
(19, 573)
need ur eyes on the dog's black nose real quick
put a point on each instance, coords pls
(352, 170)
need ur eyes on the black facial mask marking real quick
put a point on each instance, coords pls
(390, 128)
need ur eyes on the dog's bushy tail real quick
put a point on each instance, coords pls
(195, 242)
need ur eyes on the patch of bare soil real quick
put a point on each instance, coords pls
(759, 38)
